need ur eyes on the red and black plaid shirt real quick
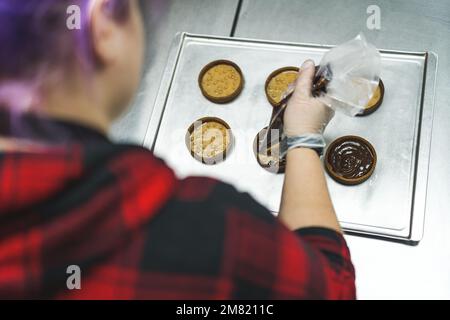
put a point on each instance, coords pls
(137, 232)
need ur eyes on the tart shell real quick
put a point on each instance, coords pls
(339, 178)
(231, 96)
(289, 69)
(219, 157)
(271, 77)
(369, 110)
(279, 166)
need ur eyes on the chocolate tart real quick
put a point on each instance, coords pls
(350, 160)
(269, 159)
(221, 81)
(209, 140)
(376, 100)
(278, 83)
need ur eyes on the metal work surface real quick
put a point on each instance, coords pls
(381, 206)
(384, 269)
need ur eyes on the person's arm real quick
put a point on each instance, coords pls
(305, 200)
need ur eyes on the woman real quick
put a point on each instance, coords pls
(70, 197)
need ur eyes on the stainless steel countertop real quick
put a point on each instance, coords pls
(384, 269)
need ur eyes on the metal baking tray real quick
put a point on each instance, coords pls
(391, 204)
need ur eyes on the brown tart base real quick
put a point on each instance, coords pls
(209, 140)
(375, 102)
(278, 83)
(221, 81)
(350, 160)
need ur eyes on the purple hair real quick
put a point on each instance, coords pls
(33, 34)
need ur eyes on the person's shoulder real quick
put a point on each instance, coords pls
(129, 156)
(140, 160)
(115, 150)
(141, 154)
(133, 166)
(219, 196)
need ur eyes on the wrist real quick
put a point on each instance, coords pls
(296, 133)
(301, 152)
(311, 141)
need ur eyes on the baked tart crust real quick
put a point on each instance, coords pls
(350, 160)
(209, 140)
(221, 81)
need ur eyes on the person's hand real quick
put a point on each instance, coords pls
(304, 113)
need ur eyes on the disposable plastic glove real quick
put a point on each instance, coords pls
(305, 114)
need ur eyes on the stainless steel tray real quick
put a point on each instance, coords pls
(389, 205)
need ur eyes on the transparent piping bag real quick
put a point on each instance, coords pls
(346, 80)
(347, 77)
(352, 70)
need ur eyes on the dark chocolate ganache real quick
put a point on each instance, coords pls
(351, 158)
